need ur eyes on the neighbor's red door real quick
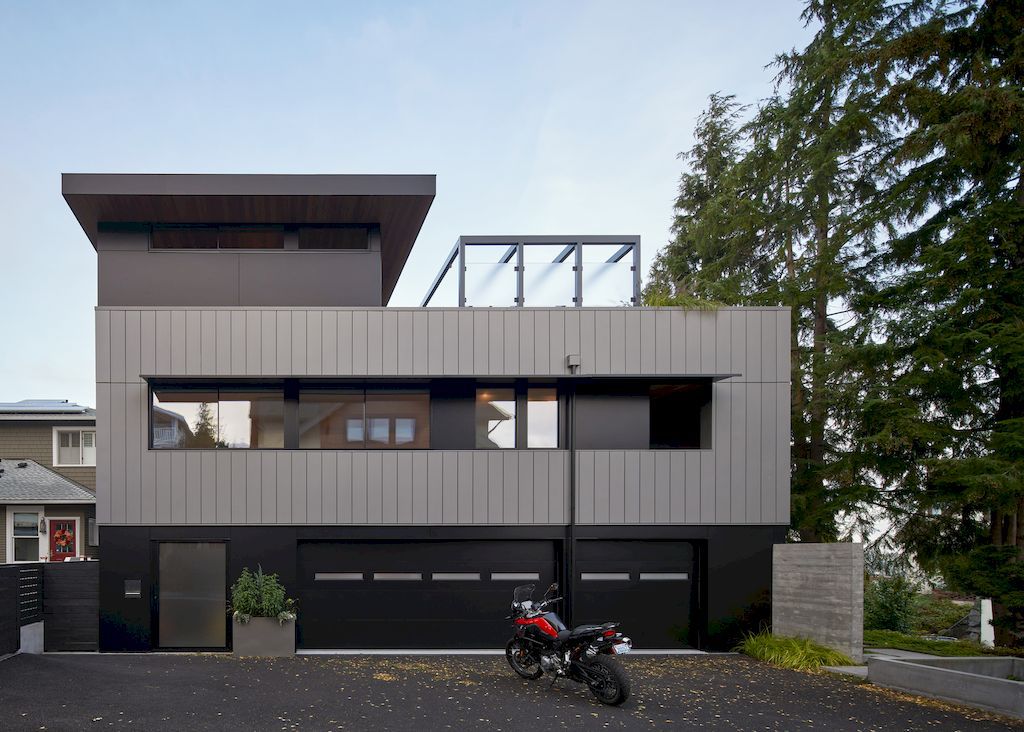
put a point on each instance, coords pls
(63, 539)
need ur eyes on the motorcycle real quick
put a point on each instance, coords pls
(541, 643)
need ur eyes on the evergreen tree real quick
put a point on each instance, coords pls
(711, 256)
(205, 431)
(768, 214)
(946, 416)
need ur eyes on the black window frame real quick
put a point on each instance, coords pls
(702, 399)
(216, 386)
(291, 236)
(521, 388)
(291, 389)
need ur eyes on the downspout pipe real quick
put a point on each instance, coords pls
(570, 544)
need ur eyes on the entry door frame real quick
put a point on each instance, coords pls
(154, 593)
(49, 534)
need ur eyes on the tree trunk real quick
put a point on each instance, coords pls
(1020, 529)
(798, 460)
(995, 529)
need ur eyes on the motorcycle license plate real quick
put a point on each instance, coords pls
(619, 648)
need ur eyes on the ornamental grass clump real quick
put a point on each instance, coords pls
(259, 595)
(796, 653)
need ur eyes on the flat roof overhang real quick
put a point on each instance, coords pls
(398, 203)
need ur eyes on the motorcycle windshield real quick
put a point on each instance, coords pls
(523, 593)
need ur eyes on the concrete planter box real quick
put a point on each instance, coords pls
(977, 681)
(264, 637)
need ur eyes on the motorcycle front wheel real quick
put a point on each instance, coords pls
(613, 687)
(522, 661)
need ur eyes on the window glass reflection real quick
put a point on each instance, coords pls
(339, 420)
(541, 418)
(399, 420)
(253, 419)
(378, 431)
(26, 537)
(331, 420)
(184, 419)
(495, 418)
(203, 419)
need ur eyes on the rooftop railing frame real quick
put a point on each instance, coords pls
(513, 247)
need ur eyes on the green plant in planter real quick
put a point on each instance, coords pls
(259, 595)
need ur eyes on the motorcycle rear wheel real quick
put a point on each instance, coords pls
(522, 661)
(614, 689)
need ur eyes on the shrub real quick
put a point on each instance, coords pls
(888, 604)
(903, 642)
(933, 614)
(796, 653)
(258, 595)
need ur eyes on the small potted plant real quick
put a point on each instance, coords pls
(264, 619)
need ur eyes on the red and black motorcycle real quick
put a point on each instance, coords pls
(541, 643)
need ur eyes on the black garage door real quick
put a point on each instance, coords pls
(436, 594)
(648, 586)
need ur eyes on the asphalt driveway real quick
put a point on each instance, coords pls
(212, 692)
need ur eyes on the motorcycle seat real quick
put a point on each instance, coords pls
(581, 630)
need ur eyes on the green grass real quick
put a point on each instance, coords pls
(903, 642)
(796, 653)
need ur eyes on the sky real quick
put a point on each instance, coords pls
(536, 117)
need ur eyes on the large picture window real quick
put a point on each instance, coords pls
(520, 416)
(541, 418)
(299, 414)
(357, 419)
(217, 418)
(331, 420)
(495, 418)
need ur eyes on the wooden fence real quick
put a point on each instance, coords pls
(64, 596)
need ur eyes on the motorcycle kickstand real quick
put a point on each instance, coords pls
(553, 680)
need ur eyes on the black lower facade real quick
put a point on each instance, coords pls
(166, 587)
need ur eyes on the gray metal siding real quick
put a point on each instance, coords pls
(238, 278)
(440, 342)
(742, 479)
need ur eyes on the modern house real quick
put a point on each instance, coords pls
(47, 481)
(402, 469)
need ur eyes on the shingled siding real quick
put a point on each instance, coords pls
(34, 441)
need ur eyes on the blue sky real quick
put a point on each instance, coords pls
(537, 118)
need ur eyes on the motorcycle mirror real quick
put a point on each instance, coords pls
(552, 590)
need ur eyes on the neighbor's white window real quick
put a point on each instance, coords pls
(25, 531)
(74, 447)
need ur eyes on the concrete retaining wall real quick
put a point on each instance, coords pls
(818, 593)
(978, 682)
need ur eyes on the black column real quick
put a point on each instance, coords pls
(291, 414)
